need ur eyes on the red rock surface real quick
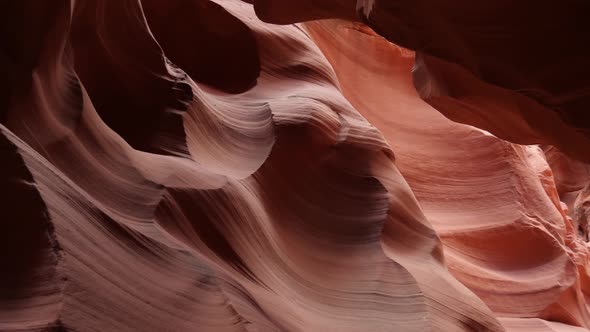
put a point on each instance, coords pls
(185, 166)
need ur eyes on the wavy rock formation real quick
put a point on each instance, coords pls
(183, 165)
(494, 204)
(518, 69)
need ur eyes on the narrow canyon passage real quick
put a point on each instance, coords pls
(280, 165)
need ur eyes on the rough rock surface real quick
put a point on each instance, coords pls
(185, 166)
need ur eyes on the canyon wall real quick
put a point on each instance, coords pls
(288, 165)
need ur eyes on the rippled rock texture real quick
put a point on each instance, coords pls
(278, 165)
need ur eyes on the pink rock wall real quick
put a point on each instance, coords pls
(186, 166)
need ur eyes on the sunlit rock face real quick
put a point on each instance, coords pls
(495, 205)
(277, 165)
